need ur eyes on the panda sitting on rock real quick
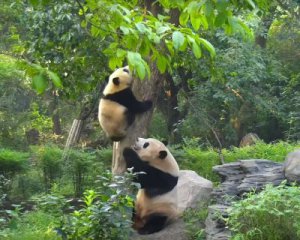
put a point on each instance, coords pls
(118, 106)
(156, 201)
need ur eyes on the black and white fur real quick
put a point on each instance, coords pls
(118, 106)
(156, 201)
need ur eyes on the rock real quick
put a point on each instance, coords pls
(214, 225)
(249, 139)
(193, 192)
(245, 176)
(292, 166)
(175, 231)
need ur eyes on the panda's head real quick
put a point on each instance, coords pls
(156, 154)
(119, 80)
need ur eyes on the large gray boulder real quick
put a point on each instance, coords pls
(193, 192)
(292, 166)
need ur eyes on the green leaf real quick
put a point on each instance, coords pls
(208, 46)
(39, 83)
(141, 27)
(135, 60)
(220, 19)
(183, 18)
(34, 2)
(145, 47)
(178, 39)
(161, 63)
(251, 3)
(204, 22)
(195, 20)
(141, 71)
(55, 79)
(162, 29)
(125, 30)
(170, 47)
(196, 50)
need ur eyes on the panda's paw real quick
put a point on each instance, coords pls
(148, 105)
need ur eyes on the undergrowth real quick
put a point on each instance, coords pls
(273, 214)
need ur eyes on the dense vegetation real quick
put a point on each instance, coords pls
(215, 70)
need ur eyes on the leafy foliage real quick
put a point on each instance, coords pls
(12, 162)
(34, 225)
(141, 34)
(107, 212)
(271, 215)
(190, 156)
(194, 220)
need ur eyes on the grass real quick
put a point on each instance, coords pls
(34, 225)
(273, 214)
(194, 158)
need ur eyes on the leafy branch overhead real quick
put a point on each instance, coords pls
(135, 34)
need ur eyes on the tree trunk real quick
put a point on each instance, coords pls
(147, 89)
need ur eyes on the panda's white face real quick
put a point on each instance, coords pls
(119, 80)
(156, 154)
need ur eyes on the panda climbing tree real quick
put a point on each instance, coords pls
(149, 35)
(117, 112)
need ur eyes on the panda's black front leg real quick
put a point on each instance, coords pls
(136, 106)
(144, 106)
(133, 160)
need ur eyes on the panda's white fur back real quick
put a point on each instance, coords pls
(112, 118)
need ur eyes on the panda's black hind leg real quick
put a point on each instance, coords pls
(155, 223)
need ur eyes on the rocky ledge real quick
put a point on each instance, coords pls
(236, 179)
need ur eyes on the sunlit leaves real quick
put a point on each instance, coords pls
(178, 39)
(145, 36)
(39, 83)
(136, 62)
(208, 46)
(55, 79)
(196, 50)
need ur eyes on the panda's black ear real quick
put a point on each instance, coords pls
(162, 154)
(165, 142)
(116, 81)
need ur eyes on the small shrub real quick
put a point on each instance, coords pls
(194, 220)
(34, 225)
(49, 160)
(12, 162)
(273, 214)
(191, 156)
(107, 212)
(104, 155)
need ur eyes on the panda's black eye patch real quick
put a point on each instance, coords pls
(145, 145)
(126, 70)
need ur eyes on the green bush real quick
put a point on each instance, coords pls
(194, 221)
(34, 225)
(12, 162)
(49, 160)
(273, 214)
(81, 166)
(276, 151)
(107, 212)
(104, 155)
(191, 156)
